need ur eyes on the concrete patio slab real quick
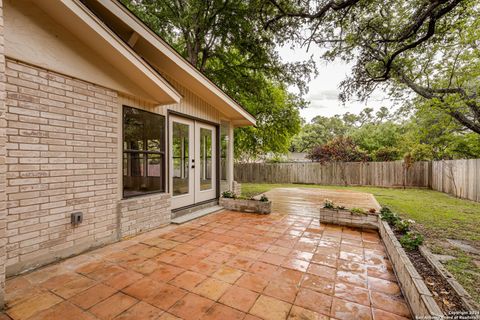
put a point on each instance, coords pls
(226, 265)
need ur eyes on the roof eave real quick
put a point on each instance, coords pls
(137, 26)
(126, 59)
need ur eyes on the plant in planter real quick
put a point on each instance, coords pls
(229, 194)
(357, 211)
(411, 240)
(340, 215)
(387, 215)
(231, 201)
(328, 204)
(264, 198)
(403, 226)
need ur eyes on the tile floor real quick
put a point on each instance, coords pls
(224, 266)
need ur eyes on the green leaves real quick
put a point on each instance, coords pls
(431, 48)
(227, 41)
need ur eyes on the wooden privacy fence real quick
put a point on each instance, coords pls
(460, 178)
(457, 177)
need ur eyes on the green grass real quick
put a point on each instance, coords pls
(438, 217)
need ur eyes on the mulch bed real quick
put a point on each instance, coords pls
(444, 295)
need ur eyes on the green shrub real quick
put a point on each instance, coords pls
(328, 204)
(229, 194)
(411, 240)
(385, 210)
(358, 211)
(387, 215)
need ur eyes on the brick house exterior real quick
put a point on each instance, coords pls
(3, 212)
(69, 72)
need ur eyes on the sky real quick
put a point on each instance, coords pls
(324, 89)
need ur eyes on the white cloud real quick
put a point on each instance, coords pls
(324, 89)
(324, 95)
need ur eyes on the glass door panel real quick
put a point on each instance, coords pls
(205, 159)
(181, 159)
(182, 168)
(205, 152)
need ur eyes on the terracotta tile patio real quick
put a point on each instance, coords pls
(224, 266)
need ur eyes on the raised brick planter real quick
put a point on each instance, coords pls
(245, 205)
(347, 218)
(416, 293)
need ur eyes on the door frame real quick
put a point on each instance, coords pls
(217, 155)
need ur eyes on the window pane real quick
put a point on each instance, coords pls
(181, 159)
(143, 172)
(205, 159)
(143, 130)
(154, 165)
(154, 133)
(133, 128)
(133, 173)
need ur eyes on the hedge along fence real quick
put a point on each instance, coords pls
(460, 178)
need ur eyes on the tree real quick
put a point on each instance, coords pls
(432, 134)
(319, 131)
(340, 149)
(430, 47)
(240, 56)
(381, 137)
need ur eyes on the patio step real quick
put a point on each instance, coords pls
(196, 214)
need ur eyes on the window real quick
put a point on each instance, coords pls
(143, 152)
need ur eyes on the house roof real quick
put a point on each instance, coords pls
(163, 57)
(88, 27)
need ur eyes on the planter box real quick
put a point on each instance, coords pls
(245, 205)
(416, 292)
(467, 300)
(347, 218)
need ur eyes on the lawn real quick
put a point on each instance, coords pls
(438, 216)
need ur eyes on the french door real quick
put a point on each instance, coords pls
(192, 161)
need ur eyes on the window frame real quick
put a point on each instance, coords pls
(163, 153)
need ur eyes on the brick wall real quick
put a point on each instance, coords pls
(144, 213)
(3, 212)
(62, 158)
